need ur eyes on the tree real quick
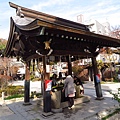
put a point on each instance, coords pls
(115, 32)
(3, 43)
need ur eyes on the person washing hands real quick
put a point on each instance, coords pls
(69, 89)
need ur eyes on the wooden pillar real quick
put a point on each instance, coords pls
(27, 85)
(46, 94)
(91, 74)
(33, 65)
(69, 65)
(37, 60)
(43, 73)
(96, 80)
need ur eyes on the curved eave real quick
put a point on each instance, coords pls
(10, 39)
(31, 26)
(57, 26)
(37, 23)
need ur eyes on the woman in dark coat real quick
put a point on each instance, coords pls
(77, 81)
(54, 80)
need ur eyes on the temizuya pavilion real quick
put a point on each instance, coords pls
(35, 35)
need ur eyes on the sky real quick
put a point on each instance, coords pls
(100, 10)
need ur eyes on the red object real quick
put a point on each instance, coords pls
(98, 77)
(48, 85)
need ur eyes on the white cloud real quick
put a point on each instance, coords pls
(114, 19)
(4, 33)
(50, 3)
(102, 3)
(99, 10)
(5, 23)
(102, 13)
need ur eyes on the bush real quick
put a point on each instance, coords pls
(116, 96)
(77, 69)
(12, 90)
(38, 95)
(14, 96)
(32, 77)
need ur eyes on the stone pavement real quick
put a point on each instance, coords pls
(15, 110)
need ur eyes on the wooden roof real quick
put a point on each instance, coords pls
(65, 37)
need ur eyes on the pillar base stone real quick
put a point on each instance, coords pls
(27, 103)
(100, 98)
(47, 114)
